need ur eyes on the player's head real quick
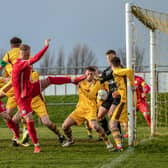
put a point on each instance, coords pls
(90, 73)
(109, 55)
(24, 51)
(15, 42)
(96, 70)
(115, 62)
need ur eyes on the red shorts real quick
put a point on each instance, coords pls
(2, 107)
(143, 107)
(24, 104)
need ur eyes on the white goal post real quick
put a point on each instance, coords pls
(158, 23)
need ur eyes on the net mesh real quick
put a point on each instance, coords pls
(141, 60)
(151, 19)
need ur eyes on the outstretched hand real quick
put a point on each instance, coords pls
(47, 42)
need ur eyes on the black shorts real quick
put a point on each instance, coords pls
(110, 100)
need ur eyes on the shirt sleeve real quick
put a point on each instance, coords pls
(24, 63)
(5, 60)
(126, 72)
(145, 86)
(38, 55)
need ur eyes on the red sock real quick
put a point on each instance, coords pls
(148, 119)
(32, 131)
(14, 128)
(59, 80)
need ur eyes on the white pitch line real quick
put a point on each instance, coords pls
(117, 161)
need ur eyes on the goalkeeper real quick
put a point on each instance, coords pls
(110, 103)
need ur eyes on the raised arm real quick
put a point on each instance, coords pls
(38, 56)
(146, 87)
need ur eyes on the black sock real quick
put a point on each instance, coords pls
(104, 124)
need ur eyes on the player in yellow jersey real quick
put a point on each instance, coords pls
(39, 107)
(102, 122)
(120, 113)
(10, 58)
(12, 55)
(86, 108)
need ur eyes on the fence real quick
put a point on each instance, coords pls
(70, 89)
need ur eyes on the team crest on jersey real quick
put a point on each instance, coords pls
(24, 111)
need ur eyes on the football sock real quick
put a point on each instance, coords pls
(88, 128)
(116, 132)
(32, 131)
(59, 80)
(55, 129)
(104, 124)
(14, 128)
(68, 133)
(100, 132)
(119, 127)
(116, 135)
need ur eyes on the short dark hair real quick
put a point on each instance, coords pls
(24, 47)
(116, 61)
(111, 52)
(90, 68)
(15, 41)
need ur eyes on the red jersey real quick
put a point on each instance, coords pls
(21, 75)
(141, 87)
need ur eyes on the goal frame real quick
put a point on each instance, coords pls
(129, 62)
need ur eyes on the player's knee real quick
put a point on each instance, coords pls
(46, 123)
(64, 126)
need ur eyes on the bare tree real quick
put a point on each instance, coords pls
(47, 62)
(138, 60)
(80, 57)
(60, 62)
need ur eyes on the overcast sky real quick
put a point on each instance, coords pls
(98, 23)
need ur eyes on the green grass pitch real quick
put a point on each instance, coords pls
(84, 153)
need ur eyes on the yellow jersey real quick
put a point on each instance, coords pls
(7, 71)
(10, 57)
(120, 75)
(88, 94)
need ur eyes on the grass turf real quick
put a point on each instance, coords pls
(148, 153)
(84, 153)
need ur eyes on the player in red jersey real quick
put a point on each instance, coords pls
(24, 90)
(9, 121)
(141, 90)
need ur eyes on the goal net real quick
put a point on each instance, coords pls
(147, 53)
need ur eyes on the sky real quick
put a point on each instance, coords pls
(98, 23)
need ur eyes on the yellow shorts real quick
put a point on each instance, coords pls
(39, 106)
(11, 103)
(79, 115)
(120, 113)
(6, 87)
